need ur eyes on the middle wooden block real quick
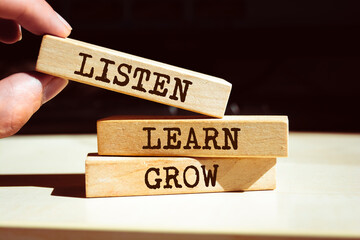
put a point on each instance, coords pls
(231, 136)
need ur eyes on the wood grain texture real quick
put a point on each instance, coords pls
(132, 75)
(231, 136)
(127, 176)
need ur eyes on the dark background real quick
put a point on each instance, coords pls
(297, 58)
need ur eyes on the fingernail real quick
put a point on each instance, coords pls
(51, 89)
(67, 25)
(20, 34)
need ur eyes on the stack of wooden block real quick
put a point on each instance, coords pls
(149, 155)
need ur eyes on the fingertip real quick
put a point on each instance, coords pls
(53, 88)
(37, 16)
(21, 95)
(10, 31)
(66, 24)
(63, 27)
(51, 85)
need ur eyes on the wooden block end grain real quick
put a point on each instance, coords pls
(132, 75)
(231, 136)
(108, 176)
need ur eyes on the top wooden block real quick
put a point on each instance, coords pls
(132, 75)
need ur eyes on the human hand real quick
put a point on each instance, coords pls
(22, 94)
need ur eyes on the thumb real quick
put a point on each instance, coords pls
(21, 95)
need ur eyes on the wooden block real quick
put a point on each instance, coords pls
(231, 136)
(126, 176)
(132, 75)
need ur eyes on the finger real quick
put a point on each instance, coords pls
(37, 16)
(21, 95)
(10, 31)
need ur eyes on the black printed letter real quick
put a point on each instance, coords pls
(192, 139)
(210, 175)
(157, 180)
(160, 83)
(180, 87)
(81, 72)
(126, 81)
(158, 146)
(103, 77)
(172, 138)
(141, 76)
(208, 138)
(196, 177)
(233, 140)
(173, 176)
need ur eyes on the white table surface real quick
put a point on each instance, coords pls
(41, 196)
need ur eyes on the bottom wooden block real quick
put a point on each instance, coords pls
(128, 176)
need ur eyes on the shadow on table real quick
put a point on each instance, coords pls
(64, 185)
